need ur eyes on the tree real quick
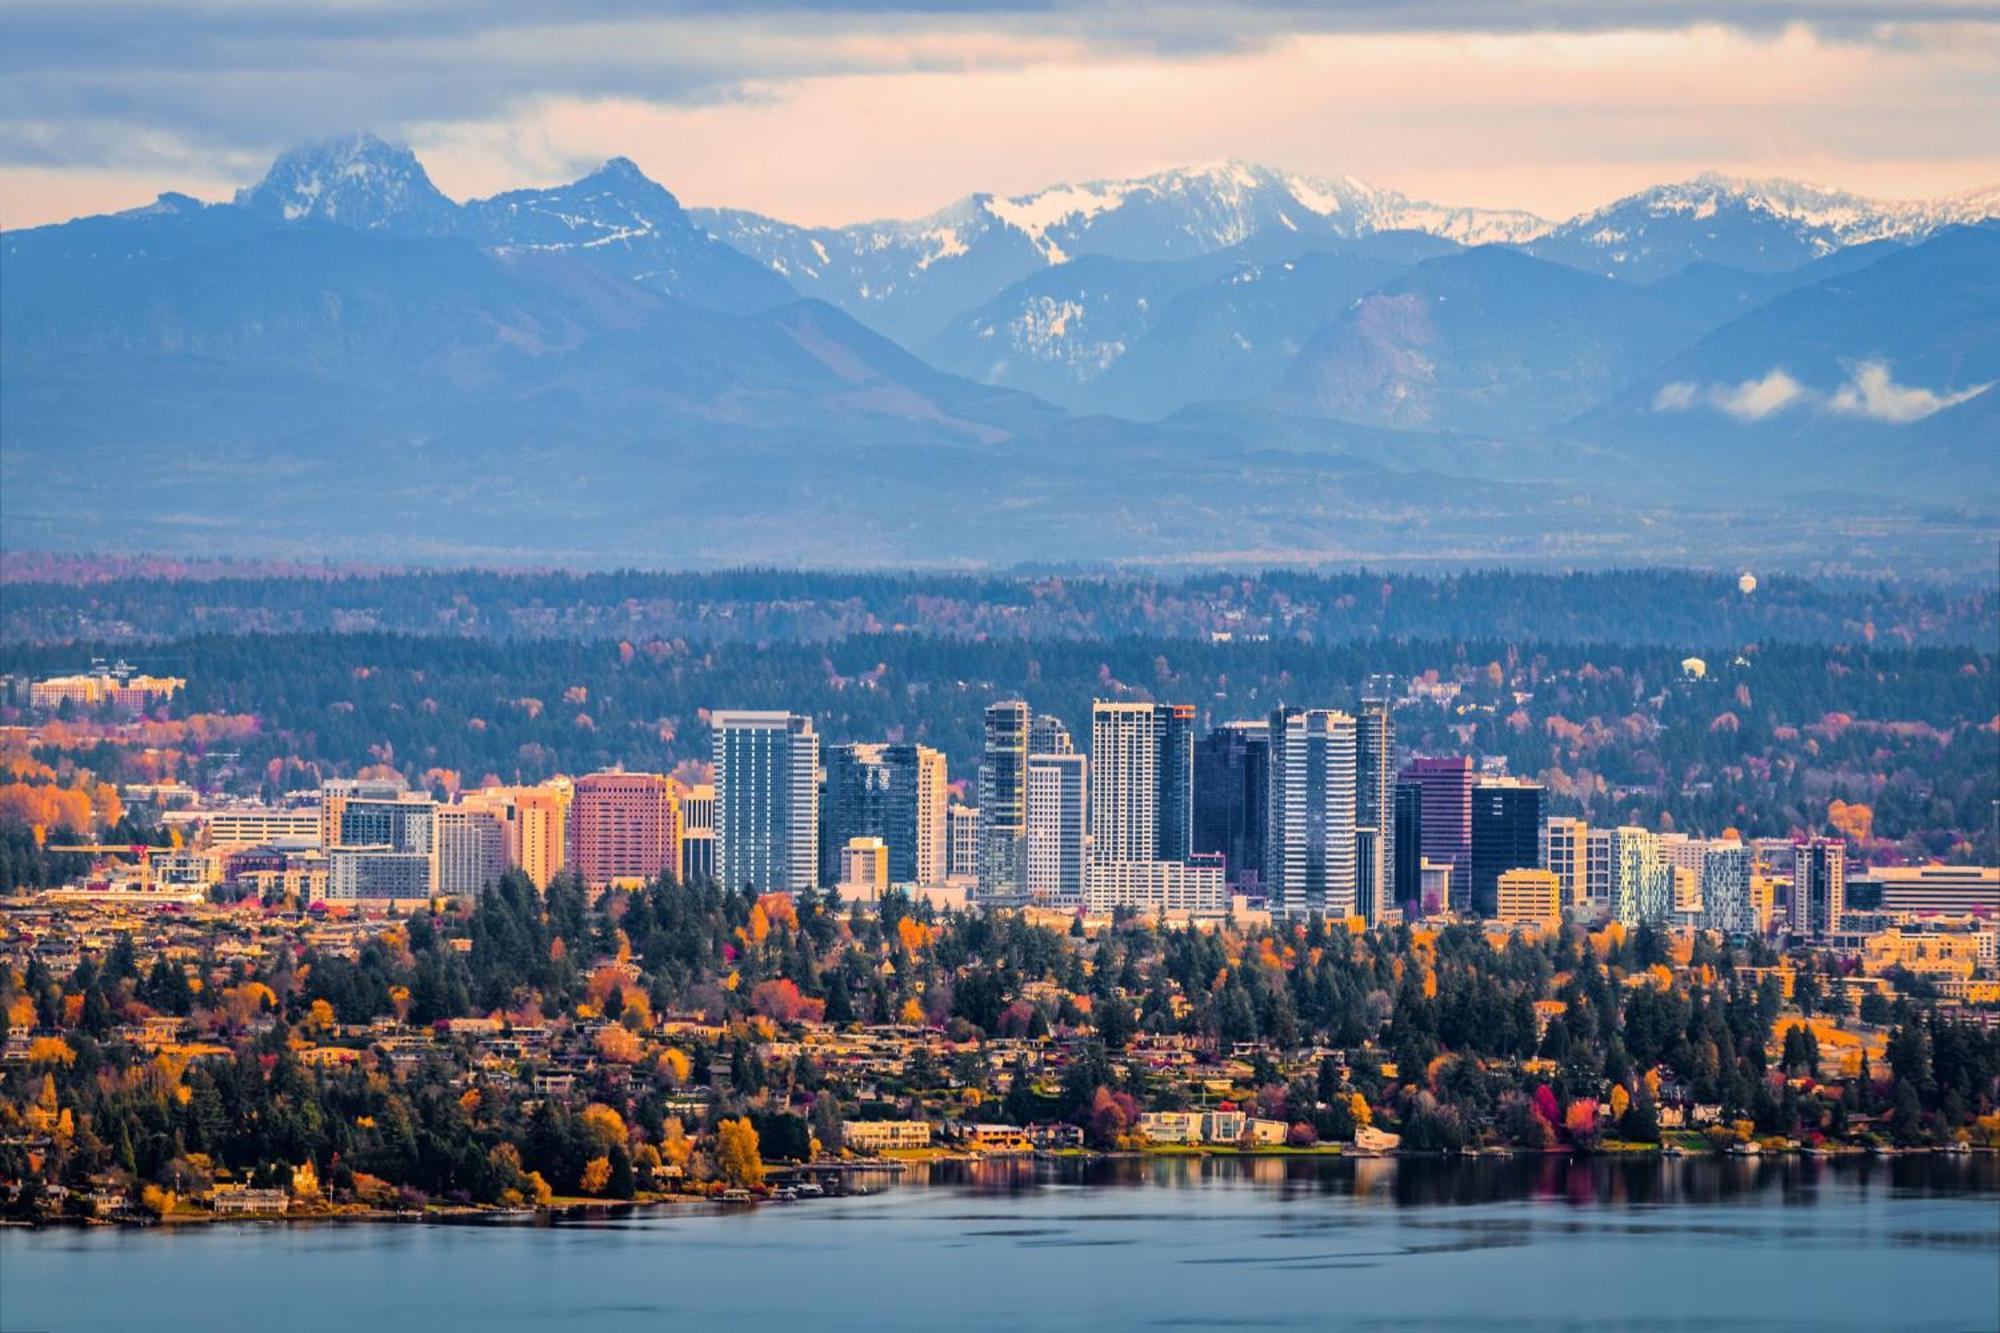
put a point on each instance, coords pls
(596, 1176)
(737, 1158)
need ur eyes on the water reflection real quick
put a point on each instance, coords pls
(1425, 1182)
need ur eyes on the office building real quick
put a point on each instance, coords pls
(1931, 890)
(258, 826)
(766, 800)
(624, 827)
(1057, 815)
(894, 792)
(697, 855)
(1506, 835)
(1159, 887)
(698, 808)
(1819, 886)
(864, 869)
(1408, 875)
(1528, 895)
(1597, 868)
(1565, 851)
(534, 826)
(1003, 803)
(1232, 782)
(1447, 818)
(961, 842)
(1310, 849)
(360, 873)
(471, 851)
(335, 794)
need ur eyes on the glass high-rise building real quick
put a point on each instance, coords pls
(1819, 886)
(766, 800)
(1058, 814)
(1375, 799)
(894, 792)
(1003, 803)
(1506, 835)
(1232, 783)
(1141, 781)
(1447, 820)
(1408, 875)
(1310, 850)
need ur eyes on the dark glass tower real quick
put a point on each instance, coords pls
(1232, 783)
(1506, 835)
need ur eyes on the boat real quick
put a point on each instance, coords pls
(1750, 1149)
(737, 1196)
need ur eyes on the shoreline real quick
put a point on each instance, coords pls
(584, 1210)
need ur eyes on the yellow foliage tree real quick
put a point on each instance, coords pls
(736, 1153)
(675, 1065)
(618, 1045)
(1621, 1100)
(911, 1014)
(604, 1124)
(596, 1176)
(1358, 1107)
(51, 1051)
(675, 1146)
(157, 1201)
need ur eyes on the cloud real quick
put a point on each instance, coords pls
(1870, 390)
(834, 110)
(1873, 392)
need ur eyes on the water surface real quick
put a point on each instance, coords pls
(1528, 1244)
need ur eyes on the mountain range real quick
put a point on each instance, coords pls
(1219, 364)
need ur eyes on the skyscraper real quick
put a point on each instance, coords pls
(1048, 735)
(1232, 783)
(1447, 818)
(1309, 854)
(1408, 875)
(1819, 886)
(1506, 835)
(1141, 781)
(1375, 798)
(1003, 803)
(766, 800)
(1057, 816)
(894, 792)
(624, 826)
(1176, 782)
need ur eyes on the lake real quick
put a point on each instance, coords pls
(1529, 1244)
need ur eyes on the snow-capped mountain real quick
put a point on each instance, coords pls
(1763, 226)
(614, 218)
(356, 181)
(910, 278)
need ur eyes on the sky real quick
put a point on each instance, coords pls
(834, 111)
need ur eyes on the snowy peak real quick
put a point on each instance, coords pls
(1199, 210)
(356, 180)
(1763, 225)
